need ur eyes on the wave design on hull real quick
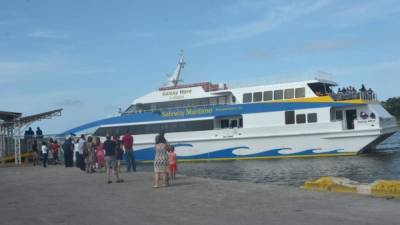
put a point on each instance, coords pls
(148, 153)
(224, 153)
(248, 151)
(265, 153)
(285, 151)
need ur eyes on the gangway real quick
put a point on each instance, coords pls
(12, 125)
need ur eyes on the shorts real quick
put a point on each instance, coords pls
(111, 162)
(172, 167)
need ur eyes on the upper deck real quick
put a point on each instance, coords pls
(176, 95)
(204, 94)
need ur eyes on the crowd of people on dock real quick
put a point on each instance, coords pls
(91, 154)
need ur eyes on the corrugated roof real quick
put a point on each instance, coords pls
(9, 116)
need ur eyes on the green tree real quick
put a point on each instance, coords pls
(392, 105)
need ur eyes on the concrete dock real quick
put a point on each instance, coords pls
(58, 195)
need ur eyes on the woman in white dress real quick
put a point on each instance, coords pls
(161, 161)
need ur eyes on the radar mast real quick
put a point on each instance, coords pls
(175, 78)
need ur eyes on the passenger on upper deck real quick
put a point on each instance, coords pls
(362, 89)
(349, 93)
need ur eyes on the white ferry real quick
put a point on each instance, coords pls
(207, 121)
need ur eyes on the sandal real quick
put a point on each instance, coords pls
(109, 182)
(120, 181)
(156, 186)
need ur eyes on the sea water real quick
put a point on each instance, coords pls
(383, 164)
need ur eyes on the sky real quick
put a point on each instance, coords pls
(92, 57)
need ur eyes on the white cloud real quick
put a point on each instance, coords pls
(272, 16)
(47, 34)
(268, 15)
(323, 45)
(311, 47)
(373, 69)
(19, 67)
(69, 103)
(28, 69)
(366, 11)
(349, 14)
(94, 71)
(382, 76)
(49, 65)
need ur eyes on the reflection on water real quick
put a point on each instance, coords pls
(294, 171)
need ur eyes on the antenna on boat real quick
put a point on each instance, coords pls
(175, 78)
(322, 75)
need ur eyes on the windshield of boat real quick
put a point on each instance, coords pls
(321, 89)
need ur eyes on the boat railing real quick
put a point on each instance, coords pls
(363, 95)
(271, 80)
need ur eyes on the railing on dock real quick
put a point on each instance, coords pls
(9, 146)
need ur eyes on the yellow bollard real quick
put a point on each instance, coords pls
(334, 184)
(386, 188)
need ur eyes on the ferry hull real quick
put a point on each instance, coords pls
(312, 145)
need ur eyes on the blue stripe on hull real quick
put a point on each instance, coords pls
(202, 111)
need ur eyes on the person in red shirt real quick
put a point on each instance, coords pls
(54, 150)
(171, 163)
(127, 142)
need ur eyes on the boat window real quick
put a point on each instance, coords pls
(156, 128)
(174, 104)
(289, 93)
(224, 123)
(289, 117)
(130, 109)
(351, 115)
(213, 101)
(278, 95)
(301, 118)
(234, 123)
(267, 96)
(247, 97)
(312, 118)
(300, 92)
(339, 115)
(321, 89)
(257, 96)
(222, 100)
(142, 107)
(197, 102)
(241, 122)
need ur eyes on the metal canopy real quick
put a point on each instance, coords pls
(9, 116)
(13, 125)
(36, 117)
